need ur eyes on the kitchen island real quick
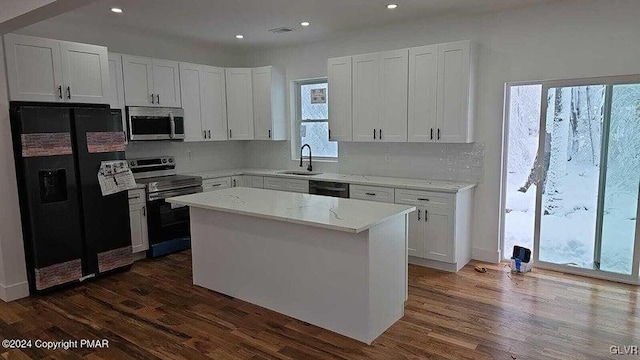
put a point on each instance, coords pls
(340, 264)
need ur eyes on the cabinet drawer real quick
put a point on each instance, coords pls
(275, 183)
(299, 186)
(137, 196)
(417, 197)
(216, 184)
(372, 193)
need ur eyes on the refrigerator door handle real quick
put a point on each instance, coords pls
(173, 126)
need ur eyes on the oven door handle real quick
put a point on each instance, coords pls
(173, 193)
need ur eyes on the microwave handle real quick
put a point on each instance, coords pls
(173, 126)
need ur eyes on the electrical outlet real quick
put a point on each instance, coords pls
(387, 158)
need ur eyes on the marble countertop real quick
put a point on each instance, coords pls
(340, 214)
(399, 183)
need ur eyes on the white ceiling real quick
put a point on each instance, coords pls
(218, 21)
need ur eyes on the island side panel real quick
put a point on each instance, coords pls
(316, 275)
(387, 274)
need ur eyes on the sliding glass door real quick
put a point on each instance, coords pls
(589, 184)
(620, 184)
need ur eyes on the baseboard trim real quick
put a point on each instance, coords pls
(438, 265)
(486, 255)
(14, 292)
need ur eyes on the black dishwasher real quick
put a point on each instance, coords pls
(329, 188)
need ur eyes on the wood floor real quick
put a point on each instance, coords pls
(152, 312)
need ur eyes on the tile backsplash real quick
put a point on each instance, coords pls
(456, 162)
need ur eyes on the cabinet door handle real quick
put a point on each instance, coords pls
(234, 182)
(438, 133)
(423, 199)
(158, 96)
(204, 134)
(380, 132)
(418, 214)
(269, 133)
(370, 194)
(431, 133)
(329, 134)
(374, 134)
(69, 92)
(153, 99)
(230, 134)
(144, 211)
(60, 91)
(209, 133)
(426, 215)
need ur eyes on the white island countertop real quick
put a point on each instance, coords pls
(340, 214)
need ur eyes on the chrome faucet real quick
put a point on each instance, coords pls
(310, 167)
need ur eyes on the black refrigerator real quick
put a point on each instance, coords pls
(71, 232)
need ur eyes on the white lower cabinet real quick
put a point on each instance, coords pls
(373, 193)
(254, 181)
(299, 186)
(238, 181)
(439, 234)
(289, 185)
(216, 184)
(272, 183)
(138, 220)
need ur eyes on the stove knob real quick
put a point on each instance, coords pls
(133, 163)
(170, 161)
(164, 161)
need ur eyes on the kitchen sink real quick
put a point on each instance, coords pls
(296, 172)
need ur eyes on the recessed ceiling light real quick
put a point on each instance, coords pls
(239, 36)
(305, 23)
(392, 6)
(116, 10)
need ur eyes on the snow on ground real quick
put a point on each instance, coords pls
(569, 236)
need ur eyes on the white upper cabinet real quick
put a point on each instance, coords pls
(166, 83)
(56, 71)
(190, 87)
(340, 101)
(393, 72)
(151, 82)
(380, 96)
(366, 96)
(269, 104)
(240, 103)
(204, 102)
(85, 72)
(455, 92)
(423, 89)
(116, 82)
(138, 81)
(422, 94)
(214, 103)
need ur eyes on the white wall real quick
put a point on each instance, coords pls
(571, 39)
(13, 275)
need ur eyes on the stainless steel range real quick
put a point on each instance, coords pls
(168, 225)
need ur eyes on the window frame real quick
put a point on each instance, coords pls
(298, 121)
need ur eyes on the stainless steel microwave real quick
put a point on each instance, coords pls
(151, 123)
